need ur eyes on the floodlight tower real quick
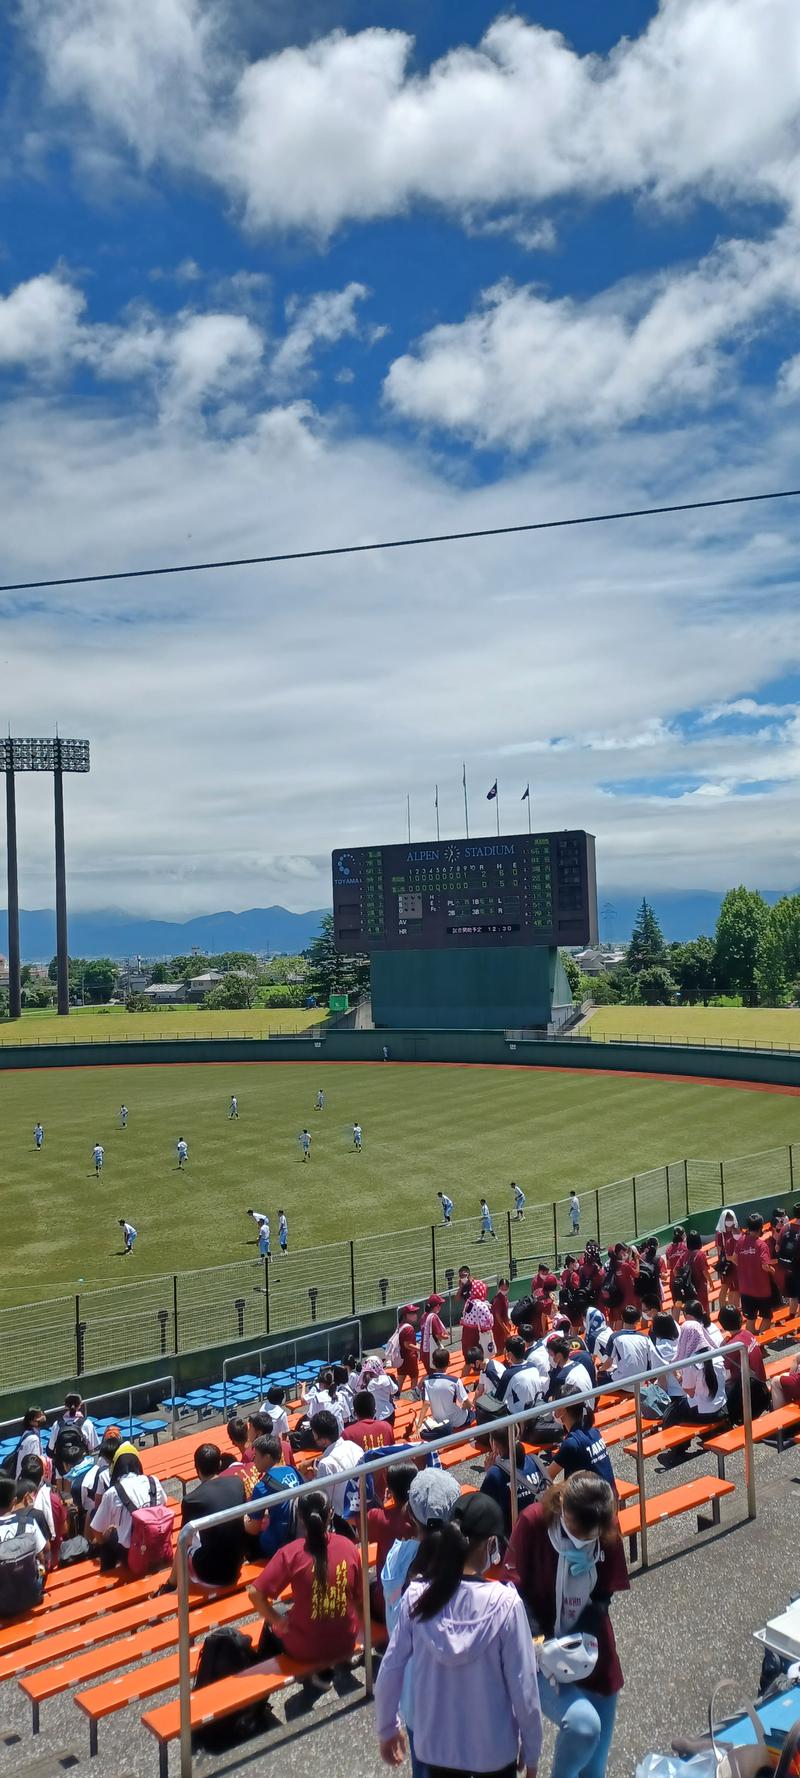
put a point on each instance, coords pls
(42, 755)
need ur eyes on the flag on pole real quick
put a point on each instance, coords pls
(491, 794)
(525, 797)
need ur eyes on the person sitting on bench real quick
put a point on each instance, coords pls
(323, 1570)
(731, 1320)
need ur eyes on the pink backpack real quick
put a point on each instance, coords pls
(151, 1536)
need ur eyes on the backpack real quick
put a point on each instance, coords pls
(21, 1581)
(225, 1653)
(281, 1526)
(9, 1464)
(611, 1289)
(151, 1535)
(69, 1448)
(391, 1350)
(789, 1248)
(647, 1281)
(73, 1549)
(521, 1312)
(683, 1283)
(79, 1471)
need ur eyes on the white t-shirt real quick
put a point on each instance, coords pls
(43, 1504)
(279, 1418)
(318, 1399)
(524, 1390)
(630, 1352)
(111, 1515)
(30, 1445)
(339, 1459)
(663, 1352)
(94, 1484)
(10, 1524)
(577, 1380)
(447, 1399)
(383, 1389)
(705, 1400)
(98, 1153)
(537, 1360)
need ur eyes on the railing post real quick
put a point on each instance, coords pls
(669, 1205)
(640, 1476)
(555, 1233)
(80, 1329)
(747, 1422)
(175, 1312)
(635, 1210)
(163, 1318)
(364, 1539)
(722, 1181)
(791, 1169)
(352, 1279)
(510, 1247)
(686, 1183)
(512, 1474)
(266, 1293)
(184, 1659)
(433, 1257)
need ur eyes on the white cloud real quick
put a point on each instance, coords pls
(706, 98)
(40, 324)
(745, 707)
(328, 316)
(524, 365)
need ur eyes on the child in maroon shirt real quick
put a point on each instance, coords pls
(370, 1434)
(408, 1367)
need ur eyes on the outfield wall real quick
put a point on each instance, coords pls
(489, 1048)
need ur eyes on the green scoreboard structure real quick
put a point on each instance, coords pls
(465, 934)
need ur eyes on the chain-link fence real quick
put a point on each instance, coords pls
(255, 1298)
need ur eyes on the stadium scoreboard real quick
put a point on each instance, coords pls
(517, 889)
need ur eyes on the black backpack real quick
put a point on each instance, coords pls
(647, 1281)
(789, 1248)
(224, 1653)
(21, 1580)
(522, 1311)
(611, 1288)
(70, 1447)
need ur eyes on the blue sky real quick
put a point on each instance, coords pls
(273, 276)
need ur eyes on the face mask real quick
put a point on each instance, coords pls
(580, 1543)
(492, 1554)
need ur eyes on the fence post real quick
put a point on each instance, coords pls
(433, 1255)
(352, 1279)
(635, 1210)
(555, 1233)
(722, 1181)
(163, 1318)
(791, 1169)
(510, 1247)
(686, 1183)
(669, 1205)
(175, 1311)
(266, 1292)
(78, 1337)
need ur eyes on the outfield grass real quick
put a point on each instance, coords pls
(462, 1130)
(106, 1024)
(690, 1024)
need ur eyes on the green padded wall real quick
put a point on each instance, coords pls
(479, 990)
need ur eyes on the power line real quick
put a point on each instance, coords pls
(357, 549)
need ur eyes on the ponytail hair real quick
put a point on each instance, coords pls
(440, 1561)
(314, 1510)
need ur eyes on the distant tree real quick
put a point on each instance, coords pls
(75, 968)
(99, 979)
(282, 995)
(329, 971)
(3, 1003)
(602, 989)
(234, 994)
(572, 971)
(741, 927)
(161, 972)
(623, 985)
(278, 969)
(779, 952)
(138, 1003)
(655, 986)
(38, 993)
(647, 946)
(25, 975)
(693, 967)
(243, 962)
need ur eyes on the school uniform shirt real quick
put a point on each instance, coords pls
(532, 1564)
(372, 1436)
(30, 1445)
(383, 1390)
(752, 1255)
(433, 1330)
(319, 1398)
(447, 1399)
(585, 1450)
(111, 1515)
(279, 1418)
(387, 1525)
(94, 1482)
(663, 1351)
(676, 1256)
(733, 1360)
(340, 1458)
(705, 1400)
(630, 1352)
(323, 1623)
(525, 1389)
(626, 1276)
(569, 1379)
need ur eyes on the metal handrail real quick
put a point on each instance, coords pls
(503, 1423)
(109, 1395)
(281, 1344)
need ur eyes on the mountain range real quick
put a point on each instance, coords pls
(109, 933)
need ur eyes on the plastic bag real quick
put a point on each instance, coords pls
(670, 1765)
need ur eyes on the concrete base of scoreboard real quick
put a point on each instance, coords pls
(478, 990)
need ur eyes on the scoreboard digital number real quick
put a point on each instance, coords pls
(521, 889)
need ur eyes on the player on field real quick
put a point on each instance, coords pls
(447, 1208)
(357, 1137)
(182, 1148)
(305, 1144)
(123, 1117)
(519, 1202)
(233, 1109)
(258, 1215)
(283, 1232)
(575, 1212)
(264, 1246)
(38, 1135)
(487, 1226)
(98, 1156)
(320, 1102)
(129, 1232)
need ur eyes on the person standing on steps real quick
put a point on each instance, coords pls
(487, 1226)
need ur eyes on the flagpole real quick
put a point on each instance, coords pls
(529, 813)
(408, 817)
(466, 804)
(436, 806)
